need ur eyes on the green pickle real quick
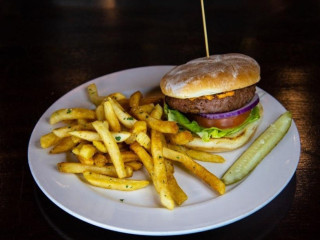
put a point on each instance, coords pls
(260, 148)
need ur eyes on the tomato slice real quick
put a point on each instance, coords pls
(222, 123)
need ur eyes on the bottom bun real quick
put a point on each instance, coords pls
(229, 143)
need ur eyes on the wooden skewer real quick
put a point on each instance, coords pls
(205, 29)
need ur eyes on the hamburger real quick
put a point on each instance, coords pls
(214, 98)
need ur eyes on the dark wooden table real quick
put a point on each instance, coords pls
(48, 48)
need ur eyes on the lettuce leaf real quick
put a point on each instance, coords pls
(207, 133)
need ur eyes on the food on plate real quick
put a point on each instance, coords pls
(108, 182)
(121, 136)
(206, 176)
(256, 152)
(215, 99)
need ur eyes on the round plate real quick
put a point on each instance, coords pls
(140, 212)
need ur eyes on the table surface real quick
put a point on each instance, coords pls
(48, 48)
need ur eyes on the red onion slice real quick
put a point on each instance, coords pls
(245, 108)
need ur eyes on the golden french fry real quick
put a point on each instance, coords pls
(104, 181)
(64, 131)
(125, 118)
(201, 172)
(134, 100)
(198, 155)
(76, 149)
(94, 136)
(86, 135)
(100, 113)
(181, 138)
(157, 112)
(103, 129)
(117, 96)
(100, 146)
(144, 140)
(93, 94)
(72, 113)
(156, 124)
(160, 176)
(87, 151)
(111, 117)
(83, 160)
(135, 165)
(138, 126)
(64, 145)
(49, 140)
(178, 195)
(144, 156)
(146, 107)
(100, 159)
(127, 156)
(71, 167)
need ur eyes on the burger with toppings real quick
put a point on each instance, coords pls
(215, 98)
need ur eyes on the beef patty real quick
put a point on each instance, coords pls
(215, 105)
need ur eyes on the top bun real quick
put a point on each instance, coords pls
(213, 75)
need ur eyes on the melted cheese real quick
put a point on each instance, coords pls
(210, 97)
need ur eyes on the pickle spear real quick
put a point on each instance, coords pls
(251, 157)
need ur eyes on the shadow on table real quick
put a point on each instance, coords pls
(255, 226)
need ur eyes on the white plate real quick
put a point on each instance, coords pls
(140, 211)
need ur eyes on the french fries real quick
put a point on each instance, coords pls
(209, 178)
(48, 140)
(104, 181)
(198, 155)
(160, 175)
(73, 167)
(123, 135)
(103, 130)
(111, 117)
(70, 114)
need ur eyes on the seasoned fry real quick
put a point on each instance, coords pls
(198, 155)
(209, 178)
(138, 126)
(100, 159)
(87, 151)
(134, 100)
(117, 96)
(144, 140)
(125, 118)
(86, 135)
(146, 107)
(83, 160)
(49, 140)
(156, 124)
(64, 145)
(64, 131)
(112, 147)
(72, 167)
(71, 113)
(100, 146)
(160, 176)
(156, 112)
(135, 165)
(111, 117)
(181, 138)
(178, 195)
(100, 113)
(144, 156)
(94, 136)
(103, 181)
(93, 94)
